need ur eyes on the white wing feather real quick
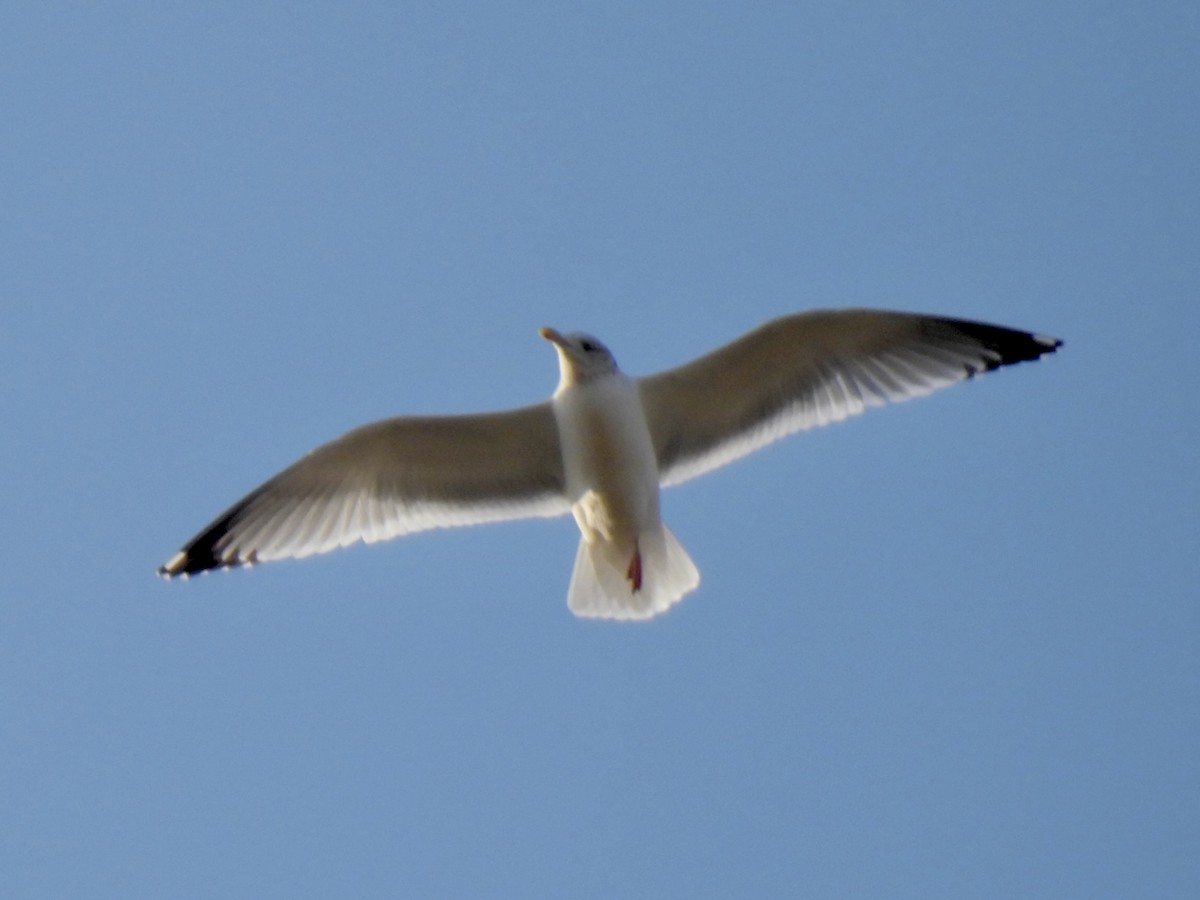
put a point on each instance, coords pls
(391, 478)
(810, 369)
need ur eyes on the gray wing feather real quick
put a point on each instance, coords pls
(810, 369)
(388, 479)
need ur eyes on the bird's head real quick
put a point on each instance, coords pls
(581, 358)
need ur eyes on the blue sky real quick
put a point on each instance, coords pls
(946, 649)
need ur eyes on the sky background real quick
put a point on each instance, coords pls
(947, 649)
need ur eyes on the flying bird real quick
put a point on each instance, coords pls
(601, 447)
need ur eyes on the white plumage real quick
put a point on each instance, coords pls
(601, 447)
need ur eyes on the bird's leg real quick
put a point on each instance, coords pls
(634, 572)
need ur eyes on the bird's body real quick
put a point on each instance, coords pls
(601, 447)
(626, 554)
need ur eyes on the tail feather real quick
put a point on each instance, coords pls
(603, 585)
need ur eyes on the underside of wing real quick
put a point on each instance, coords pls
(810, 369)
(388, 479)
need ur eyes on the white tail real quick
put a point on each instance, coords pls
(603, 582)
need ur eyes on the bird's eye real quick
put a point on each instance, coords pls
(588, 347)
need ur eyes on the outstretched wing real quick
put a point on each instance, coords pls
(810, 369)
(388, 479)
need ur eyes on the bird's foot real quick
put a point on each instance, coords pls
(634, 572)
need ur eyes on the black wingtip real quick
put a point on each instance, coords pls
(201, 553)
(188, 562)
(1004, 346)
(210, 548)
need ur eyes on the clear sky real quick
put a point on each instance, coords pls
(947, 649)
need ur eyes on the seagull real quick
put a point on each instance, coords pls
(601, 447)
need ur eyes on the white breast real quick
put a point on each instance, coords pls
(611, 471)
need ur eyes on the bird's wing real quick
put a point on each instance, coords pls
(810, 369)
(391, 478)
